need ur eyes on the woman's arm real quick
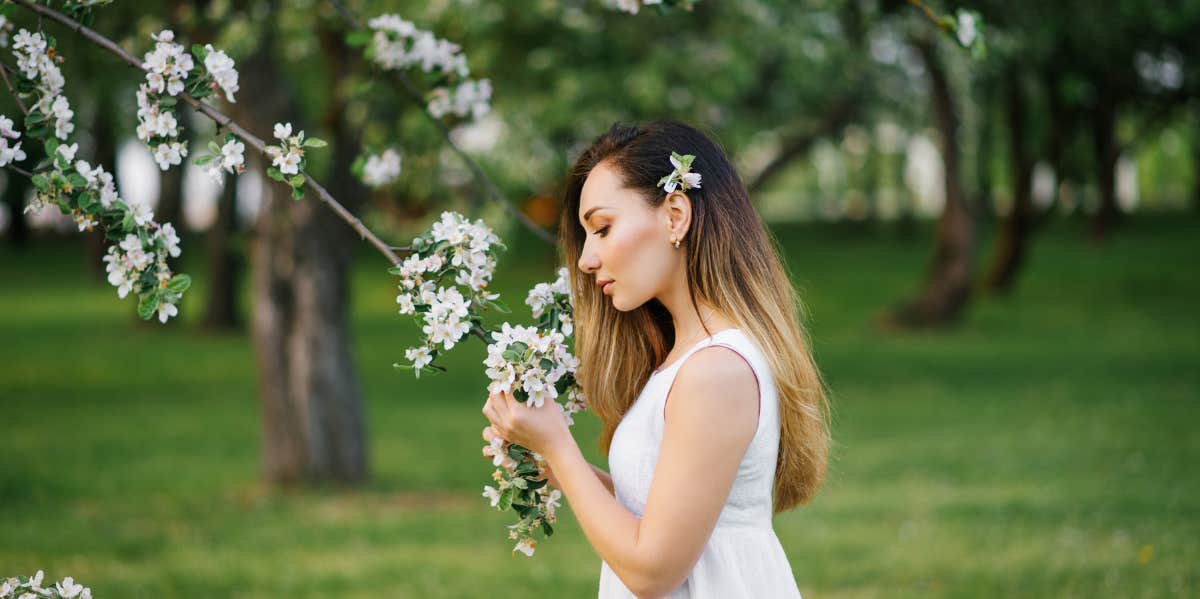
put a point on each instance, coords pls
(712, 415)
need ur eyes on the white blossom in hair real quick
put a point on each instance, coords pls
(681, 177)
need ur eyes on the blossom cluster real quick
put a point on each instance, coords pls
(230, 157)
(38, 62)
(535, 366)
(398, 44)
(138, 262)
(454, 247)
(24, 587)
(378, 170)
(171, 71)
(9, 154)
(552, 303)
(287, 158)
(167, 68)
(221, 68)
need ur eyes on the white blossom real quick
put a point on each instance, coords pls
(167, 233)
(221, 67)
(382, 169)
(526, 546)
(419, 356)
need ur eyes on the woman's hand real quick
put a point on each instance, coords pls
(489, 433)
(539, 429)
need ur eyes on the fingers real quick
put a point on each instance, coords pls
(488, 434)
(499, 405)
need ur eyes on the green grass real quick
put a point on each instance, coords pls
(1045, 448)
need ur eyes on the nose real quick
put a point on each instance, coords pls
(588, 260)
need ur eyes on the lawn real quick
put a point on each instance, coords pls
(1045, 448)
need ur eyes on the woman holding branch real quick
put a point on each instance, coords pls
(693, 357)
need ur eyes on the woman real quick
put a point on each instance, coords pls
(692, 356)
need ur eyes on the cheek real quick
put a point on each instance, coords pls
(635, 259)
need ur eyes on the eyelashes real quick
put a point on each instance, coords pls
(602, 230)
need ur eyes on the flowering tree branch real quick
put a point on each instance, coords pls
(414, 95)
(216, 116)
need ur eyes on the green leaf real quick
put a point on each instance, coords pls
(547, 364)
(41, 182)
(76, 180)
(148, 305)
(203, 160)
(85, 199)
(274, 173)
(314, 142)
(499, 306)
(506, 499)
(213, 147)
(511, 355)
(547, 528)
(179, 283)
(297, 180)
(34, 118)
(199, 52)
(168, 101)
(297, 193)
(358, 39)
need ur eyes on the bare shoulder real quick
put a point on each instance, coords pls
(717, 377)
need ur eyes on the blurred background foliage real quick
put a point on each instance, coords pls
(993, 252)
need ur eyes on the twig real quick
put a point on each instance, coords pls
(19, 170)
(929, 14)
(414, 95)
(217, 117)
(4, 73)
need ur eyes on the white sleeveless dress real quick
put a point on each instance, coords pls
(743, 557)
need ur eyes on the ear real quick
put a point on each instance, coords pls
(677, 209)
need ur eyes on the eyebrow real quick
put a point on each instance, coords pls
(588, 214)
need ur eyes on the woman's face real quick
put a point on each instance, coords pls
(626, 240)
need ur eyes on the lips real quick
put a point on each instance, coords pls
(604, 284)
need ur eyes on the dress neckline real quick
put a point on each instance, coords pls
(664, 368)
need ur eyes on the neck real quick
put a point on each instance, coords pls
(690, 326)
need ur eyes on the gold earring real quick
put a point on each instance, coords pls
(676, 242)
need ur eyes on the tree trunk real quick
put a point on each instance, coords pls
(948, 283)
(1012, 243)
(985, 205)
(170, 190)
(104, 126)
(224, 260)
(16, 187)
(1104, 137)
(312, 407)
(1061, 122)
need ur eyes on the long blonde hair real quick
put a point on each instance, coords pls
(732, 263)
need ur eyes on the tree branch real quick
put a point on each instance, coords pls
(414, 95)
(217, 117)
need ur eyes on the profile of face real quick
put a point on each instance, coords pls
(628, 241)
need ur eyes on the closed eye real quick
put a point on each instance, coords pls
(600, 232)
